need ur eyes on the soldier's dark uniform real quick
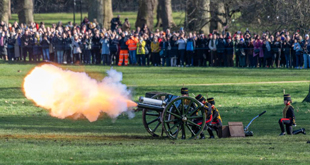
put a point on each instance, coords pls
(289, 118)
(216, 123)
(208, 112)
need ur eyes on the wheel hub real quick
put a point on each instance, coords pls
(184, 118)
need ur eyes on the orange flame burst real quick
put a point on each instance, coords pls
(66, 93)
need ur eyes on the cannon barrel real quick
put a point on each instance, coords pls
(152, 104)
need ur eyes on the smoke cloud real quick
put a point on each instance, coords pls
(74, 94)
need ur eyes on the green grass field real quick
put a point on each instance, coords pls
(54, 18)
(28, 135)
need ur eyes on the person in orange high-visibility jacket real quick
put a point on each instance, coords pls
(123, 54)
(132, 46)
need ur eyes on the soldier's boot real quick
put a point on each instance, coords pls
(211, 134)
(202, 135)
(302, 130)
(281, 134)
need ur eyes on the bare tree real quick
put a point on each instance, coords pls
(4, 10)
(145, 13)
(102, 11)
(25, 11)
(198, 15)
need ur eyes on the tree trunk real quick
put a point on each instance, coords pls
(198, 15)
(218, 15)
(166, 14)
(102, 11)
(10, 14)
(4, 10)
(145, 13)
(25, 14)
(158, 15)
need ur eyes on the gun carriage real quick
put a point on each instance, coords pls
(176, 116)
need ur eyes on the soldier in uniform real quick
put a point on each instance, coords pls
(216, 123)
(289, 118)
(184, 92)
(208, 112)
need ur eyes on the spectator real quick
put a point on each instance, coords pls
(174, 51)
(155, 48)
(287, 51)
(25, 45)
(190, 45)
(305, 44)
(87, 42)
(59, 47)
(67, 48)
(181, 49)
(11, 43)
(212, 47)
(229, 53)
(126, 25)
(76, 43)
(45, 44)
(141, 51)
(96, 54)
(105, 49)
(114, 48)
(36, 47)
(132, 46)
(123, 54)
(220, 51)
(258, 52)
(298, 50)
(163, 51)
(17, 45)
(115, 23)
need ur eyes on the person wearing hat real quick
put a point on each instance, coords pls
(208, 112)
(184, 92)
(216, 123)
(288, 116)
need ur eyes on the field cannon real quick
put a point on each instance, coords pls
(178, 117)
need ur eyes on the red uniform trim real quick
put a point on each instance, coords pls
(217, 121)
(284, 119)
(206, 121)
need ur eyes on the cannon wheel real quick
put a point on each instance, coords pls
(152, 119)
(180, 118)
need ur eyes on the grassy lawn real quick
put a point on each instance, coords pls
(50, 18)
(28, 135)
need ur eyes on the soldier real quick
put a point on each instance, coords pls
(208, 112)
(288, 118)
(216, 123)
(184, 92)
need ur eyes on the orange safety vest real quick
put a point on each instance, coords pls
(132, 44)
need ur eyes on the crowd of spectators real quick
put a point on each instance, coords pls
(88, 43)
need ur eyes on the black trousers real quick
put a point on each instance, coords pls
(217, 127)
(288, 123)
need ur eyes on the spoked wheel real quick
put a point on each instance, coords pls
(152, 118)
(184, 117)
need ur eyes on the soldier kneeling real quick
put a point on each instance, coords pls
(216, 123)
(208, 112)
(289, 118)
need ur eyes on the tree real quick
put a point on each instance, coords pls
(198, 15)
(166, 14)
(145, 13)
(25, 11)
(102, 11)
(4, 10)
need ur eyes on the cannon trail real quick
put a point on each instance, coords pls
(68, 94)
